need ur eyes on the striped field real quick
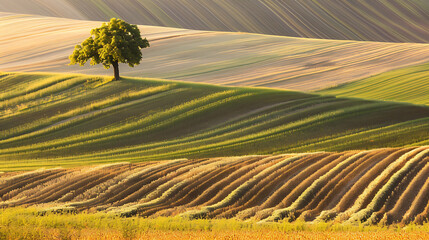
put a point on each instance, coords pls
(32, 43)
(67, 120)
(381, 20)
(246, 119)
(410, 84)
(377, 186)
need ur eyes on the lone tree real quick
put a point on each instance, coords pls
(112, 43)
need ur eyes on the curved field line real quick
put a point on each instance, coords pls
(404, 203)
(382, 194)
(266, 187)
(233, 196)
(340, 184)
(380, 186)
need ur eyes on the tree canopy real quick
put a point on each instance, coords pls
(114, 42)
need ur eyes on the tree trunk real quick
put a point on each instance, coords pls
(116, 69)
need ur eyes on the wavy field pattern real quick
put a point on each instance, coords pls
(65, 120)
(410, 84)
(382, 20)
(236, 59)
(376, 186)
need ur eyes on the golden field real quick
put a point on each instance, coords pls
(19, 223)
(381, 186)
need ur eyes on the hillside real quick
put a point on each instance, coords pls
(31, 43)
(66, 120)
(410, 84)
(382, 185)
(383, 20)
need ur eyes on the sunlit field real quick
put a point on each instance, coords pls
(368, 20)
(28, 224)
(203, 119)
(382, 186)
(408, 84)
(52, 120)
(229, 58)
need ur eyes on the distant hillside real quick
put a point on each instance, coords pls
(386, 186)
(66, 120)
(33, 43)
(375, 20)
(410, 84)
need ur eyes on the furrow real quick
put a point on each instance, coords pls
(408, 198)
(267, 186)
(340, 183)
(309, 192)
(383, 193)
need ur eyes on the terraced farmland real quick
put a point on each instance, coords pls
(383, 185)
(236, 59)
(66, 120)
(408, 84)
(382, 20)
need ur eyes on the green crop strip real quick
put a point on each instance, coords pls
(94, 120)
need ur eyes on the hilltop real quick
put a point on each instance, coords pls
(34, 43)
(368, 20)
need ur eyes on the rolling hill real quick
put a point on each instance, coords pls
(376, 186)
(409, 84)
(33, 43)
(242, 113)
(381, 20)
(66, 120)
(350, 147)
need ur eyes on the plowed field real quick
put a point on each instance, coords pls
(382, 185)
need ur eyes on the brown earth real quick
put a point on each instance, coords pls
(246, 187)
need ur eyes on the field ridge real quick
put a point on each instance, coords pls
(51, 120)
(230, 58)
(408, 84)
(247, 187)
(368, 20)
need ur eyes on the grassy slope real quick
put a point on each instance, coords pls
(237, 59)
(385, 20)
(54, 119)
(410, 84)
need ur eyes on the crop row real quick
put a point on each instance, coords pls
(386, 185)
(234, 59)
(395, 20)
(103, 121)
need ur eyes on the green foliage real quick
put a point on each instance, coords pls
(116, 41)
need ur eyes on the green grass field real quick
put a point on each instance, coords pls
(67, 120)
(409, 84)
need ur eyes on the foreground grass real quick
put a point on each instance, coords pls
(67, 120)
(26, 223)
